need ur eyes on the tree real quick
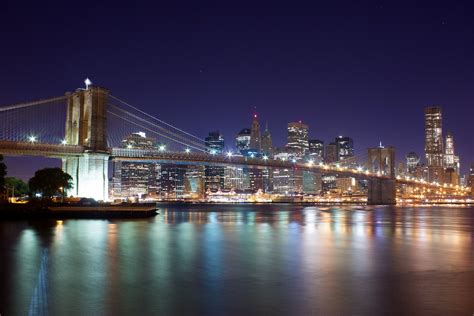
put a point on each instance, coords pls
(3, 173)
(18, 186)
(50, 182)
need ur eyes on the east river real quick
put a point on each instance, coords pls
(243, 260)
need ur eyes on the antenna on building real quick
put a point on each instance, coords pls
(87, 82)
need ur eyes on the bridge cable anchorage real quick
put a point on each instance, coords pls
(155, 132)
(198, 144)
(28, 104)
(153, 117)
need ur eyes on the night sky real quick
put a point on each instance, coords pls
(355, 68)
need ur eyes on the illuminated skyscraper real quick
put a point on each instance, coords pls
(214, 175)
(214, 142)
(345, 147)
(434, 152)
(413, 162)
(242, 141)
(316, 148)
(136, 178)
(298, 138)
(267, 148)
(255, 138)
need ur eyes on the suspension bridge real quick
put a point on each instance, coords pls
(86, 128)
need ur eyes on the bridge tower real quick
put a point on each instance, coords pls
(86, 125)
(382, 162)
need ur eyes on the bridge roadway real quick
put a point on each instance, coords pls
(13, 148)
(197, 158)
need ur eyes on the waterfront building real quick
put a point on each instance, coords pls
(309, 182)
(172, 181)
(434, 152)
(255, 137)
(194, 182)
(298, 138)
(234, 178)
(345, 147)
(267, 142)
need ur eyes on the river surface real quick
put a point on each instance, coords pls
(243, 260)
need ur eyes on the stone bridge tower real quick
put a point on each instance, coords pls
(86, 126)
(382, 162)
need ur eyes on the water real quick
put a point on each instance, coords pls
(242, 260)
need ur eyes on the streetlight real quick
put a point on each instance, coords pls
(64, 142)
(229, 154)
(162, 147)
(187, 150)
(265, 157)
(32, 139)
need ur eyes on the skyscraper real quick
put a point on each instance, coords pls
(242, 140)
(214, 175)
(255, 138)
(330, 154)
(214, 142)
(267, 148)
(298, 138)
(412, 162)
(434, 152)
(345, 147)
(316, 148)
(135, 178)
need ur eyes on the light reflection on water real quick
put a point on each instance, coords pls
(243, 259)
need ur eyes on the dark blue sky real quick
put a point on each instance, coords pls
(365, 69)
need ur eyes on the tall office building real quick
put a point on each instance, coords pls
(214, 142)
(412, 162)
(345, 147)
(136, 178)
(255, 137)
(330, 153)
(214, 175)
(139, 140)
(434, 152)
(316, 148)
(172, 181)
(242, 140)
(267, 144)
(298, 138)
(450, 158)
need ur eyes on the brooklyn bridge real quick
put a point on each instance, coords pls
(85, 130)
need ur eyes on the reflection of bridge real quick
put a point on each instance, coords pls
(96, 123)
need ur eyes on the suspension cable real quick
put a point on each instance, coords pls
(155, 132)
(158, 126)
(27, 104)
(153, 117)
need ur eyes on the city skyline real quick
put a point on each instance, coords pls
(289, 68)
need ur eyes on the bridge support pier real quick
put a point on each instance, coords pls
(381, 192)
(90, 175)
